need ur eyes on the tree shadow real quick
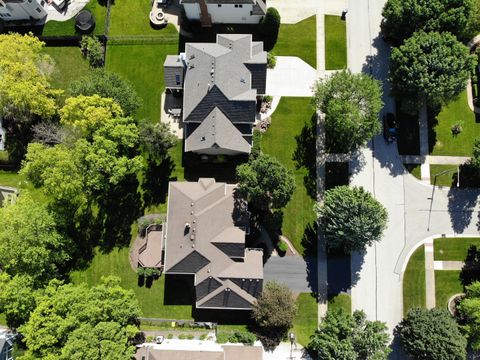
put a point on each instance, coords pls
(469, 176)
(461, 205)
(336, 174)
(310, 245)
(305, 155)
(432, 113)
(221, 168)
(118, 210)
(155, 185)
(357, 260)
(471, 270)
(339, 274)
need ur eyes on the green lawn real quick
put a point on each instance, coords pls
(298, 40)
(69, 66)
(335, 43)
(3, 320)
(59, 28)
(143, 66)
(340, 301)
(131, 17)
(447, 284)
(11, 178)
(414, 281)
(305, 322)
(455, 145)
(414, 169)
(151, 300)
(453, 249)
(288, 120)
(447, 179)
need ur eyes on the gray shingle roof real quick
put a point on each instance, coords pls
(201, 215)
(216, 130)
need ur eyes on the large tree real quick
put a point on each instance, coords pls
(475, 161)
(404, 17)
(351, 104)
(17, 298)
(274, 312)
(108, 85)
(350, 218)
(431, 66)
(156, 139)
(432, 334)
(29, 241)
(69, 316)
(265, 182)
(470, 310)
(342, 336)
(24, 87)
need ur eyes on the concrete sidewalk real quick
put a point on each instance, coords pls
(429, 275)
(434, 160)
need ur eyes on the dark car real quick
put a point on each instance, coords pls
(390, 128)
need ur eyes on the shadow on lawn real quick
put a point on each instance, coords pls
(471, 270)
(305, 155)
(157, 176)
(461, 205)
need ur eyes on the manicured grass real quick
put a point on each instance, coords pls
(3, 320)
(151, 299)
(143, 66)
(340, 301)
(69, 66)
(455, 112)
(305, 322)
(414, 169)
(298, 40)
(131, 17)
(414, 281)
(447, 284)
(335, 43)
(62, 28)
(290, 117)
(447, 179)
(11, 178)
(453, 249)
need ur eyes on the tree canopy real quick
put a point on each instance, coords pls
(351, 104)
(342, 336)
(402, 18)
(350, 218)
(432, 334)
(24, 87)
(265, 182)
(29, 241)
(274, 312)
(475, 161)
(156, 139)
(470, 310)
(108, 85)
(433, 66)
(69, 316)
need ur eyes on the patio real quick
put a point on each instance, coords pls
(171, 113)
(63, 11)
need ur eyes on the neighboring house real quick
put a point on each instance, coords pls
(205, 238)
(225, 11)
(197, 350)
(7, 195)
(220, 83)
(23, 9)
(6, 345)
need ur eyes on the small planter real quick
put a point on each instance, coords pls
(453, 303)
(282, 248)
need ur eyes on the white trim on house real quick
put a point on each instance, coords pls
(224, 13)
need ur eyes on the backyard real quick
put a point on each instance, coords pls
(292, 123)
(335, 43)
(443, 142)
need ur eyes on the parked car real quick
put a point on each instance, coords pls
(390, 128)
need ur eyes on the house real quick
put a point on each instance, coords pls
(225, 11)
(23, 9)
(198, 350)
(220, 82)
(6, 345)
(205, 239)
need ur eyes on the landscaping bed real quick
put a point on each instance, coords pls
(285, 140)
(414, 281)
(335, 43)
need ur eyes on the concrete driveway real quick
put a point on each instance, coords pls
(292, 12)
(291, 77)
(298, 273)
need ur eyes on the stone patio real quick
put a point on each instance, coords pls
(69, 11)
(169, 102)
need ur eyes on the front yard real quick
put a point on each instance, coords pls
(290, 134)
(335, 43)
(414, 281)
(443, 141)
(305, 322)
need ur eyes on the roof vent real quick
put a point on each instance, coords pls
(192, 237)
(191, 204)
(203, 138)
(192, 56)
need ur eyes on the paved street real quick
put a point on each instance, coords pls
(297, 273)
(413, 214)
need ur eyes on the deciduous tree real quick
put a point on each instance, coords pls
(350, 218)
(470, 310)
(351, 104)
(156, 139)
(265, 182)
(29, 241)
(432, 334)
(431, 66)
